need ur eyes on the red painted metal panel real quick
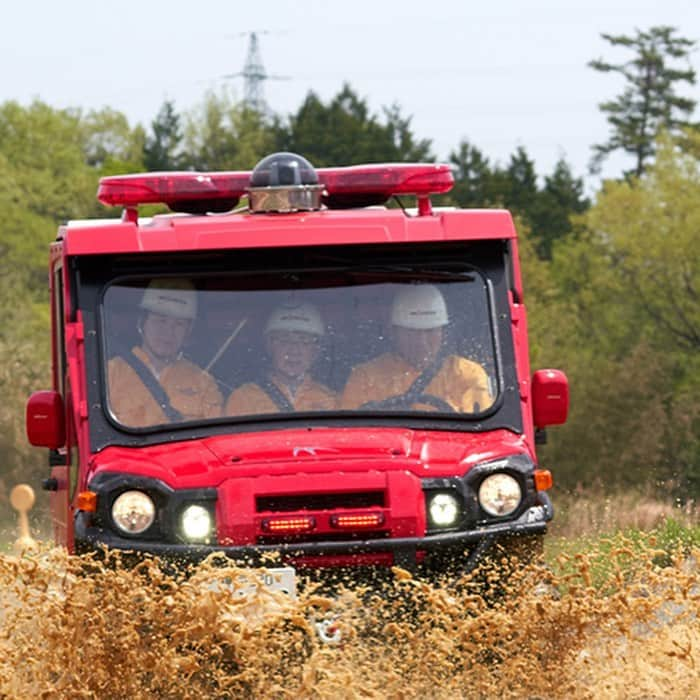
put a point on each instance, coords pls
(271, 455)
(193, 233)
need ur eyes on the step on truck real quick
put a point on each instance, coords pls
(323, 374)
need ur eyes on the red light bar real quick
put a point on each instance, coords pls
(353, 186)
(357, 521)
(186, 191)
(302, 523)
(364, 185)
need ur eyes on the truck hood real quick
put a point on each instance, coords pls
(210, 461)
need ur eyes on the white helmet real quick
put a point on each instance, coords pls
(296, 316)
(171, 297)
(419, 306)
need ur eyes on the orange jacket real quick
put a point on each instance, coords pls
(460, 382)
(250, 399)
(190, 389)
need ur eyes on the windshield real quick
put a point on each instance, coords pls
(307, 341)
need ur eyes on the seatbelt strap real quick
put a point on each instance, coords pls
(278, 398)
(423, 379)
(153, 386)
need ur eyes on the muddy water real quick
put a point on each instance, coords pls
(612, 624)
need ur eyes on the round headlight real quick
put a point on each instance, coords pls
(133, 512)
(500, 494)
(443, 509)
(195, 522)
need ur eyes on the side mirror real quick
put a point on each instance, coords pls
(46, 423)
(550, 397)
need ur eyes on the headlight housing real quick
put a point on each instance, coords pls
(195, 523)
(443, 509)
(500, 494)
(133, 512)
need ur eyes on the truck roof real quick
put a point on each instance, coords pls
(178, 232)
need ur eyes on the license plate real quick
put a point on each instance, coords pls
(281, 579)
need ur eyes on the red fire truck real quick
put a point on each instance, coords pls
(313, 374)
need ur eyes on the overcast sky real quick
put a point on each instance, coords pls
(499, 73)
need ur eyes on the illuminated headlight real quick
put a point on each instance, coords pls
(133, 512)
(195, 522)
(500, 494)
(443, 509)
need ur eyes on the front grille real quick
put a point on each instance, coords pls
(323, 537)
(319, 501)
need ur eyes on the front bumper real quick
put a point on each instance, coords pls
(405, 550)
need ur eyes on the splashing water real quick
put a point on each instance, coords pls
(78, 628)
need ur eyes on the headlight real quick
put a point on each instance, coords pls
(133, 512)
(443, 509)
(500, 494)
(195, 522)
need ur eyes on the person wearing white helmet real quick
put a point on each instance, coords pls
(153, 383)
(293, 335)
(416, 374)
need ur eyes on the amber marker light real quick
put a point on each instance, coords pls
(357, 520)
(87, 501)
(286, 525)
(543, 479)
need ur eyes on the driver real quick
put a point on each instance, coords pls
(293, 335)
(153, 383)
(417, 374)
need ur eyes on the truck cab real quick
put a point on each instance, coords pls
(313, 376)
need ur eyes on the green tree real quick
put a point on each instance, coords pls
(545, 211)
(649, 228)
(473, 176)
(45, 160)
(520, 182)
(111, 146)
(345, 132)
(622, 319)
(50, 161)
(561, 198)
(162, 148)
(649, 101)
(479, 184)
(222, 134)
(398, 129)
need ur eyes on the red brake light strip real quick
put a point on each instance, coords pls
(357, 520)
(297, 524)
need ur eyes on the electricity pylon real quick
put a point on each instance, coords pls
(254, 74)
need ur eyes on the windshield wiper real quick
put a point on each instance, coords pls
(422, 273)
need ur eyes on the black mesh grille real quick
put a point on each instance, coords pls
(323, 537)
(319, 501)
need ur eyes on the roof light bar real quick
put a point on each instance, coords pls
(347, 187)
(365, 185)
(184, 191)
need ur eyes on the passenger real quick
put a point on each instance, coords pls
(293, 335)
(153, 384)
(416, 374)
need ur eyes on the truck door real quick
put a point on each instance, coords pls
(62, 461)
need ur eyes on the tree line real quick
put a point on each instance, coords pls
(612, 282)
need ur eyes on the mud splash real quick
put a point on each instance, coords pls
(620, 623)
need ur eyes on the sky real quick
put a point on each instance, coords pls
(497, 73)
